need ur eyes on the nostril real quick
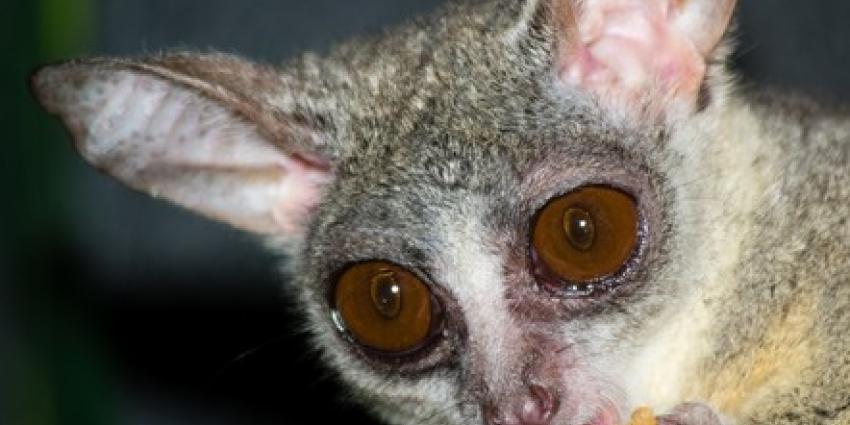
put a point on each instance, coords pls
(491, 417)
(539, 407)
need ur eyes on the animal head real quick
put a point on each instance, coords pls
(486, 209)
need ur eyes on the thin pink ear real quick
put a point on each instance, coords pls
(199, 143)
(644, 54)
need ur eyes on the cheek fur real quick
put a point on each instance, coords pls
(591, 373)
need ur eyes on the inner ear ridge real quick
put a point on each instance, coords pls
(640, 55)
(267, 121)
(282, 128)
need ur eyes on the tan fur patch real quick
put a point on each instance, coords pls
(768, 367)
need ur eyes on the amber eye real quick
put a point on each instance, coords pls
(587, 234)
(384, 307)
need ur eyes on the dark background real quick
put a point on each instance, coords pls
(116, 309)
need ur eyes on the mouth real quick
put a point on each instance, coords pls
(605, 417)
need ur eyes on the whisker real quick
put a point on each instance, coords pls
(241, 357)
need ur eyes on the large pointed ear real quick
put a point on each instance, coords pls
(213, 133)
(648, 55)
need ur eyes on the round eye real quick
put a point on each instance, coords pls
(586, 235)
(384, 307)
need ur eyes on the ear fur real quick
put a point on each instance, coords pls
(209, 132)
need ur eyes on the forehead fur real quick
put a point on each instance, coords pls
(460, 70)
(448, 112)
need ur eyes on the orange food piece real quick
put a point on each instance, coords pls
(643, 416)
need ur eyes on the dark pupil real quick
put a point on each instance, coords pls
(579, 228)
(386, 294)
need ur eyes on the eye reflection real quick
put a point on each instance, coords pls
(384, 307)
(585, 235)
(386, 294)
(579, 228)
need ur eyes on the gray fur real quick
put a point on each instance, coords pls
(799, 246)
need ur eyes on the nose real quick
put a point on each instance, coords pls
(536, 407)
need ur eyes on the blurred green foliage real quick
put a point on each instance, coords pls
(53, 373)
